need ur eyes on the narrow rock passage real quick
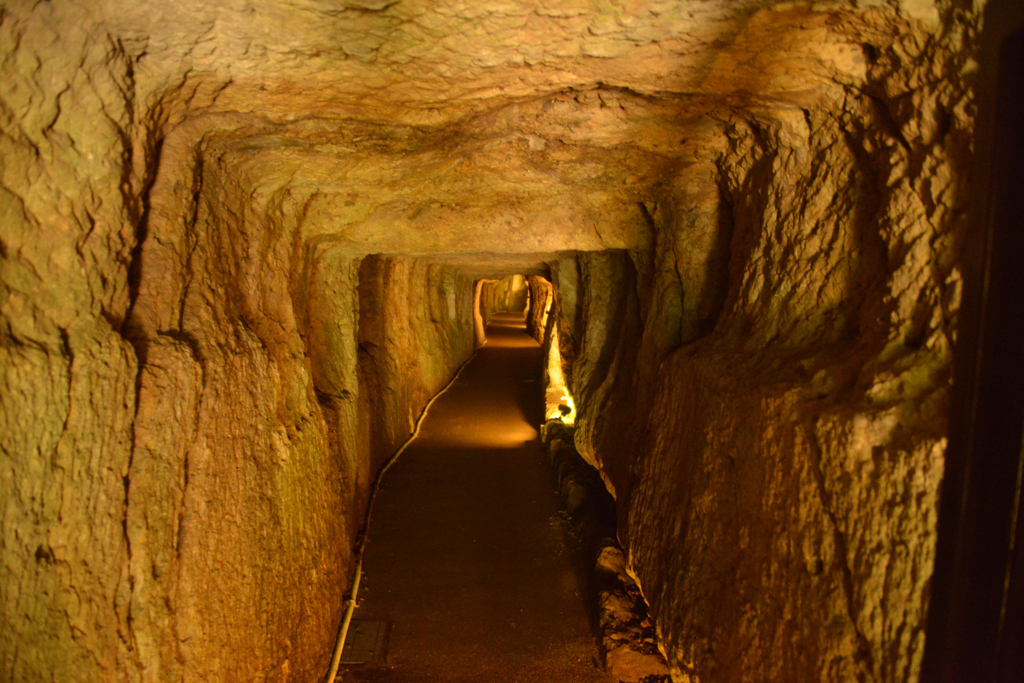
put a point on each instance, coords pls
(467, 557)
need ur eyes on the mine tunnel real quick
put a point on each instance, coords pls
(761, 257)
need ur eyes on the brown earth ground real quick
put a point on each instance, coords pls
(468, 559)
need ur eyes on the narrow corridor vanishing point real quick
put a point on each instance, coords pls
(467, 558)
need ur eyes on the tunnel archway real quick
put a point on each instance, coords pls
(240, 250)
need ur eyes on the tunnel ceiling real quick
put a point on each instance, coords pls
(453, 127)
(493, 266)
(430, 63)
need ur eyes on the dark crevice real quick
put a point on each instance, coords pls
(44, 555)
(179, 541)
(874, 260)
(887, 121)
(190, 341)
(718, 265)
(870, 53)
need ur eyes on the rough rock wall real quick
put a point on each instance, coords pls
(374, 127)
(566, 319)
(607, 332)
(416, 328)
(287, 372)
(233, 491)
(782, 359)
(541, 295)
(67, 377)
(182, 487)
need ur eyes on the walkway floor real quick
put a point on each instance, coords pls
(468, 559)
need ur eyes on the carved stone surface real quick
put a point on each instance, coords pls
(200, 367)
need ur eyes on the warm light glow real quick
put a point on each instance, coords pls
(558, 401)
(547, 308)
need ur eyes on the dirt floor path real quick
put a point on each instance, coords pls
(468, 561)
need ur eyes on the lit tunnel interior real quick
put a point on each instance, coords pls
(243, 244)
